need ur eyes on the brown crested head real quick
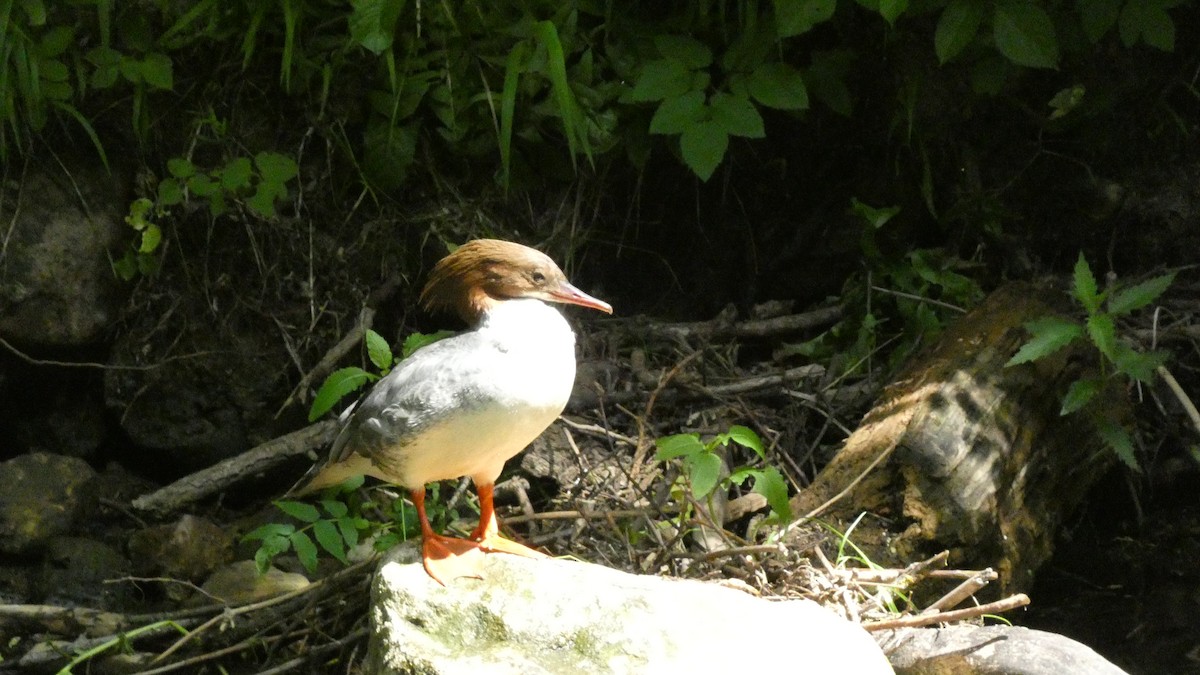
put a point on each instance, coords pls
(483, 272)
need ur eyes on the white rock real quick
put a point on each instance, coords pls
(557, 616)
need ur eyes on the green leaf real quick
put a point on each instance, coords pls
(418, 340)
(170, 192)
(678, 113)
(1024, 34)
(1103, 331)
(891, 10)
(349, 529)
(299, 510)
(1049, 334)
(306, 551)
(688, 51)
(745, 437)
(737, 115)
(1149, 22)
(703, 147)
(573, 122)
(264, 532)
(1119, 441)
(1079, 394)
(276, 168)
(151, 238)
(704, 469)
(664, 78)
(956, 28)
(378, 350)
(338, 384)
(1098, 17)
(793, 17)
(156, 71)
(181, 168)
(514, 65)
(1137, 365)
(770, 484)
(202, 185)
(55, 41)
(330, 539)
(825, 80)
(270, 547)
(335, 508)
(1084, 286)
(373, 23)
(778, 85)
(236, 174)
(679, 445)
(262, 202)
(1135, 297)
(1066, 100)
(877, 217)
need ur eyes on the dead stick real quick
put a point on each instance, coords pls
(221, 475)
(913, 621)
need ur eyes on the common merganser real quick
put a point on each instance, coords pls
(466, 404)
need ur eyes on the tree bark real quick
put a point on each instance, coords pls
(969, 455)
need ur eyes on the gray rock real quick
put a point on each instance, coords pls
(990, 650)
(43, 495)
(57, 287)
(557, 616)
(74, 570)
(189, 549)
(240, 583)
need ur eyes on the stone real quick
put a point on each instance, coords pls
(557, 616)
(990, 650)
(74, 572)
(240, 583)
(57, 287)
(43, 495)
(188, 549)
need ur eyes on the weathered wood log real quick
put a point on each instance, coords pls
(965, 454)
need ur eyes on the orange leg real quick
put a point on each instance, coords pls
(487, 533)
(445, 558)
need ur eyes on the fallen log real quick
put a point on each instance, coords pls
(962, 453)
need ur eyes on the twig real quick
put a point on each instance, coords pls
(101, 366)
(223, 474)
(961, 592)
(1007, 604)
(1184, 399)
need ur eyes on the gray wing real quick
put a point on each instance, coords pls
(432, 383)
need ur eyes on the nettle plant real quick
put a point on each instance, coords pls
(702, 467)
(1118, 359)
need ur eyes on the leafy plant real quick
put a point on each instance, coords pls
(260, 184)
(704, 116)
(139, 258)
(334, 527)
(1099, 328)
(702, 466)
(914, 292)
(340, 521)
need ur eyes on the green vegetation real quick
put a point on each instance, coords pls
(703, 467)
(1118, 359)
(513, 80)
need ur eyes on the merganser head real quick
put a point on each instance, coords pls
(484, 272)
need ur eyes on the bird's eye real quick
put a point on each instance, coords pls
(538, 277)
